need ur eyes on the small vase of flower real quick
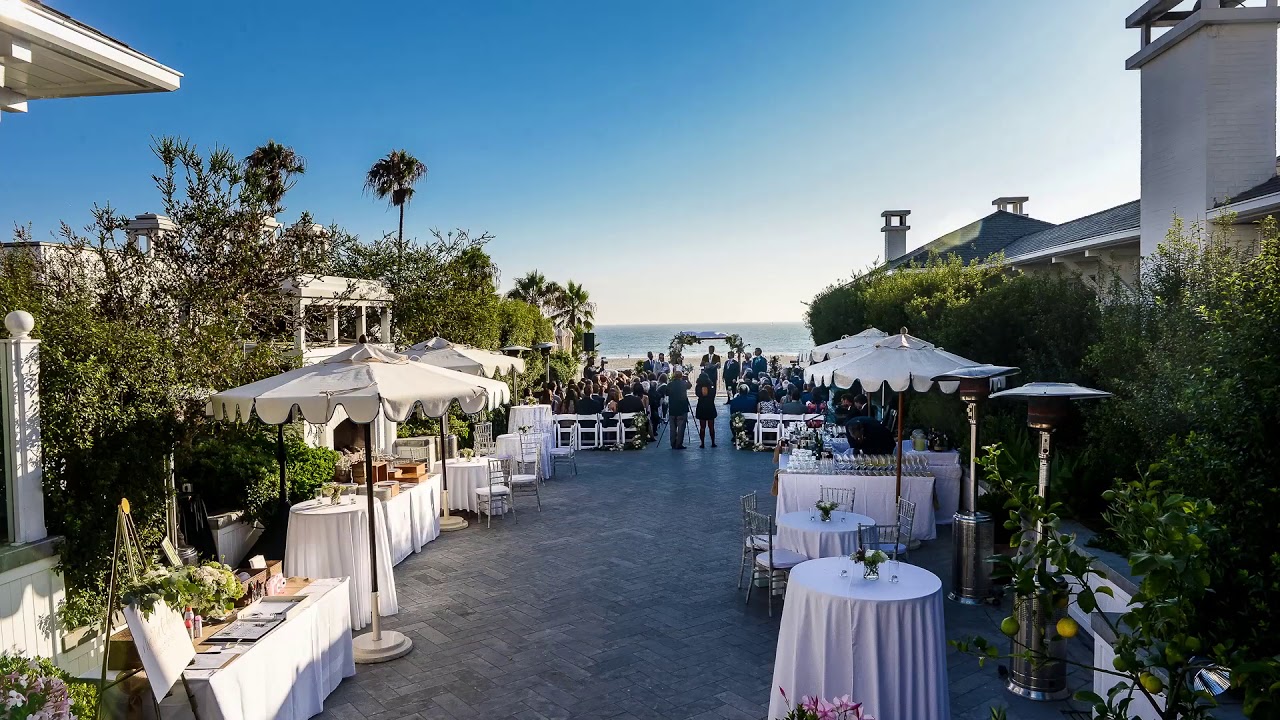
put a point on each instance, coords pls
(871, 562)
(825, 507)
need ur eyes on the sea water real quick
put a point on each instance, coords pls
(778, 338)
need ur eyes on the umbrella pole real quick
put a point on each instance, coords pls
(284, 482)
(376, 646)
(901, 395)
(447, 522)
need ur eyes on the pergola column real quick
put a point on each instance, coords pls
(300, 334)
(21, 418)
(333, 326)
(384, 333)
(361, 326)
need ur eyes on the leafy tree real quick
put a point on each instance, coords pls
(534, 288)
(392, 178)
(272, 168)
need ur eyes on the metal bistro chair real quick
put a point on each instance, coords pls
(894, 540)
(525, 476)
(840, 496)
(484, 442)
(565, 454)
(494, 496)
(773, 561)
(566, 427)
(751, 544)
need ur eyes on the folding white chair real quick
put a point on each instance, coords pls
(588, 429)
(789, 420)
(613, 430)
(627, 423)
(768, 436)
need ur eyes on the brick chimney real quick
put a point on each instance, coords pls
(895, 233)
(1011, 204)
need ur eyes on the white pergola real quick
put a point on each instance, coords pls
(46, 54)
(334, 293)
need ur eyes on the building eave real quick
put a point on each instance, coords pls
(1249, 209)
(1119, 237)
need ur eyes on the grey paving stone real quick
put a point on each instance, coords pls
(618, 600)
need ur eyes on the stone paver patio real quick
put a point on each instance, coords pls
(618, 600)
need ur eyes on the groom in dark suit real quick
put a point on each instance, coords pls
(732, 369)
(711, 366)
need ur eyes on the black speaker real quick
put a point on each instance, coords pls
(589, 342)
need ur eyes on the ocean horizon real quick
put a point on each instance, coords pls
(774, 338)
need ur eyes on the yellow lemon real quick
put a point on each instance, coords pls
(1009, 626)
(1068, 628)
(1120, 664)
(1151, 683)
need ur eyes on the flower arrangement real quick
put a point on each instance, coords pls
(826, 507)
(32, 690)
(641, 438)
(331, 491)
(210, 590)
(742, 440)
(467, 453)
(871, 562)
(811, 708)
(524, 429)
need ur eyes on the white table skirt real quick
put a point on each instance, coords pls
(882, 643)
(288, 674)
(508, 445)
(332, 541)
(412, 521)
(815, 539)
(874, 497)
(537, 417)
(464, 477)
(946, 469)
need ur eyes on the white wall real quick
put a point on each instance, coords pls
(29, 597)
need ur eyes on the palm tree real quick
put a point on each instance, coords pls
(534, 288)
(574, 309)
(392, 178)
(273, 167)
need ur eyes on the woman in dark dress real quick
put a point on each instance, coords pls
(705, 412)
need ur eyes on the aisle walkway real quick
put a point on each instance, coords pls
(616, 601)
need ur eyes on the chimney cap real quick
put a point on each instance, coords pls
(150, 221)
(1010, 200)
(888, 213)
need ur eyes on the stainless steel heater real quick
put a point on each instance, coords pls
(1043, 675)
(972, 532)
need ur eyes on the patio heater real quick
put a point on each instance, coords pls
(1043, 676)
(972, 532)
(545, 349)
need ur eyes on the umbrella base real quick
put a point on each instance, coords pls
(393, 645)
(449, 523)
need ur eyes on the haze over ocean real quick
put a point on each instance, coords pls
(775, 338)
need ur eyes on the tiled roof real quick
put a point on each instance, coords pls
(1267, 188)
(979, 239)
(1106, 222)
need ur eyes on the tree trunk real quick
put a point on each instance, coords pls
(400, 246)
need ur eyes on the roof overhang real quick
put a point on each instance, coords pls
(1120, 237)
(347, 291)
(1251, 209)
(45, 54)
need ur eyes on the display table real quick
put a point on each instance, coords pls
(332, 541)
(509, 446)
(881, 643)
(945, 467)
(288, 673)
(874, 497)
(412, 520)
(536, 417)
(805, 533)
(464, 477)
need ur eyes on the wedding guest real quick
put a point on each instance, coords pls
(767, 406)
(759, 363)
(732, 370)
(634, 401)
(706, 410)
(871, 438)
(657, 388)
(794, 405)
(752, 382)
(744, 401)
(662, 367)
(678, 408)
(649, 364)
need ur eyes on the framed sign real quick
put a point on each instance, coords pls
(170, 553)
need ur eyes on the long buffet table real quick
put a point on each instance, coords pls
(874, 496)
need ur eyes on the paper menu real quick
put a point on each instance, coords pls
(163, 644)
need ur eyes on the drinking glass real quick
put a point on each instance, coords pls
(893, 570)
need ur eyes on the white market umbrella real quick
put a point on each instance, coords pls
(901, 361)
(434, 343)
(846, 344)
(463, 358)
(366, 381)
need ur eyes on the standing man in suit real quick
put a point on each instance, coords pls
(678, 409)
(650, 365)
(732, 370)
(759, 364)
(711, 366)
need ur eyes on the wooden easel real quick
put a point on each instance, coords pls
(128, 543)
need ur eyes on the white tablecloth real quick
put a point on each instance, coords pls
(332, 541)
(874, 497)
(537, 417)
(509, 446)
(288, 674)
(880, 642)
(412, 521)
(814, 538)
(946, 470)
(464, 477)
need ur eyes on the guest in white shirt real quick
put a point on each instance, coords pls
(663, 367)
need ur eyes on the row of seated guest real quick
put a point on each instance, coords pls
(607, 399)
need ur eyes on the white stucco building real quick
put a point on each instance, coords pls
(1208, 133)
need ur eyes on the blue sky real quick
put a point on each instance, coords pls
(711, 161)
